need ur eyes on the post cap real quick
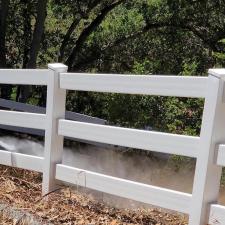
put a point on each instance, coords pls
(59, 67)
(220, 73)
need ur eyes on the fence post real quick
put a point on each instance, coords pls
(55, 109)
(208, 174)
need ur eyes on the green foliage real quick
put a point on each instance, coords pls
(13, 94)
(178, 162)
(189, 68)
(219, 59)
(144, 67)
(118, 24)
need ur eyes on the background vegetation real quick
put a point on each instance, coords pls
(183, 37)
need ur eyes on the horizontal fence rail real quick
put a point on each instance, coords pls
(24, 76)
(133, 138)
(217, 215)
(18, 106)
(221, 155)
(22, 161)
(133, 84)
(128, 189)
(22, 119)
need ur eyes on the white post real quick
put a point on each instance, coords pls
(55, 109)
(208, 174)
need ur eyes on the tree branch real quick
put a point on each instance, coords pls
(98, 52)
(209, 42)
(23, 92)
(67, 38)
(72, 27)
(87, 31)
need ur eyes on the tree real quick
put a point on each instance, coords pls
(116, 36)
(4, 7)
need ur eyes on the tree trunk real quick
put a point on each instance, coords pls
(38, 32)
(74, 25)
(27, 32)
(3, 25)
(24, 91)
(4, 8)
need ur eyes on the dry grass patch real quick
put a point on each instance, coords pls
(22, 189)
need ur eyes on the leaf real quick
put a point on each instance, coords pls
(114, 222)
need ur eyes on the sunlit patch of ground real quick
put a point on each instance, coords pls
(22, 189)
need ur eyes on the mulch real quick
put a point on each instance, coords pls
(21, 189)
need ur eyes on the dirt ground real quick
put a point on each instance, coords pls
(22, 189)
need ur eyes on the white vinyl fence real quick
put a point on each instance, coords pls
(208, 149)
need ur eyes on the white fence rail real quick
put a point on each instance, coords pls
(132, 84)
(128, 189)
(208, 149)
(133, 138)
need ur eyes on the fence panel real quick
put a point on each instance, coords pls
(209, 148)
(23, 119)
(195, 87)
